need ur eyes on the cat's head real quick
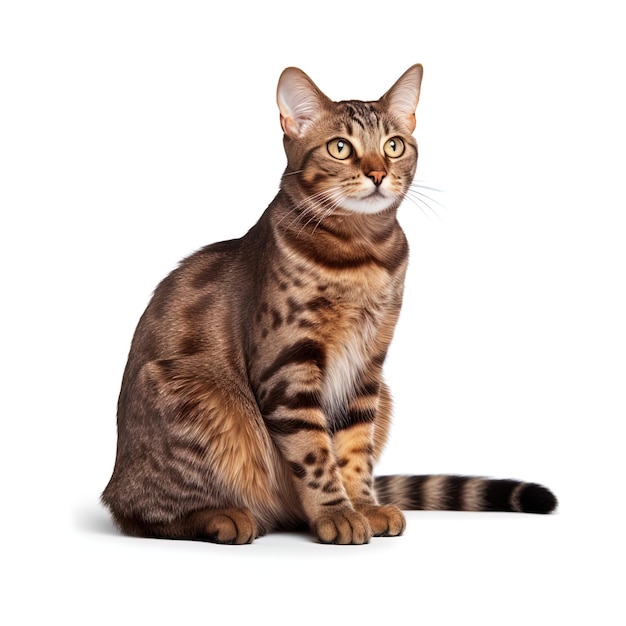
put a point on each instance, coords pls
(349, 155)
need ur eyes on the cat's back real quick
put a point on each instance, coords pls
(192, 310)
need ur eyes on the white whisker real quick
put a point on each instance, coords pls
(321, 201)
(415, 194)
(338, 197)
(418, 183)
(296, 209)
(414, 188)
(418, 202)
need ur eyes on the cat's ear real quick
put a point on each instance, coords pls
(299, 100)
(403, 97)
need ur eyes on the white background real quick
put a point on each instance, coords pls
(132, 133)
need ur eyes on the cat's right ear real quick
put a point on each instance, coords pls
(299, 100)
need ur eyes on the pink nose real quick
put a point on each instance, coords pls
(377, 176)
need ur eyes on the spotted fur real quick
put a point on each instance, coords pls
(253, 397)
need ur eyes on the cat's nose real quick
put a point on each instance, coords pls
(377, 176)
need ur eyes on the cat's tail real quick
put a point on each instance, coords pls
(463, 493)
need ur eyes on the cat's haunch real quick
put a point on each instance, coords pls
(253, 397)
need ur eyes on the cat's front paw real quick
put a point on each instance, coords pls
(385, 521)
(345, 527)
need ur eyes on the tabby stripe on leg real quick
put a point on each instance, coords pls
(306, 350)
(342, 421)
(287, 413)
(278, 396)
(334, 502)
(282, 426)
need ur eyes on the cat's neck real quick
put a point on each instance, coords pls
(292, 212)
(338, 241)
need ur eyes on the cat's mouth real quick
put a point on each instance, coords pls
(375, 193)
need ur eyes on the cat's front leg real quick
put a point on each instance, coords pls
(299, 428)
(354, 450)
(307, 447)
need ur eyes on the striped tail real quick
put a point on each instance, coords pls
(463, 493)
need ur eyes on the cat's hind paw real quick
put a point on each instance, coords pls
(230, 526)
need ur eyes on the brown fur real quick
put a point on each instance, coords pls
(253, 396)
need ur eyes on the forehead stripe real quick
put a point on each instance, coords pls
(358, 121)
(363, 113)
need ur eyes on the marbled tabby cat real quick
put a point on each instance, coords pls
(253, 397)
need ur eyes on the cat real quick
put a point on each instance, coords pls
(253, 397)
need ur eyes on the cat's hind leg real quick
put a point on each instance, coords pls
(234, 526)
(195, 460)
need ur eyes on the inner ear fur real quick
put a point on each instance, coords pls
(300, 101)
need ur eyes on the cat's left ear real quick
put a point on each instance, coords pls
(299, 100)
(403, 97)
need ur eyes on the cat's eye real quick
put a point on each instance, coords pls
(394, 147)
(339, 148)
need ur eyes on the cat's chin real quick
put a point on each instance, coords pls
(375, 203)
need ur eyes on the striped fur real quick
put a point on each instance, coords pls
(253, 397)
(463, 493)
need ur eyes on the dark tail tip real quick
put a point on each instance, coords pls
(537, 499)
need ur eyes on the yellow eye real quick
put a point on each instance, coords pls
(339, 148)
(394, 147)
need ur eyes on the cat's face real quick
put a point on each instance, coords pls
(353, 156)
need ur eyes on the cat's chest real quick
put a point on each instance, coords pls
(357, 336)
(349, 354)
(349, 321)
